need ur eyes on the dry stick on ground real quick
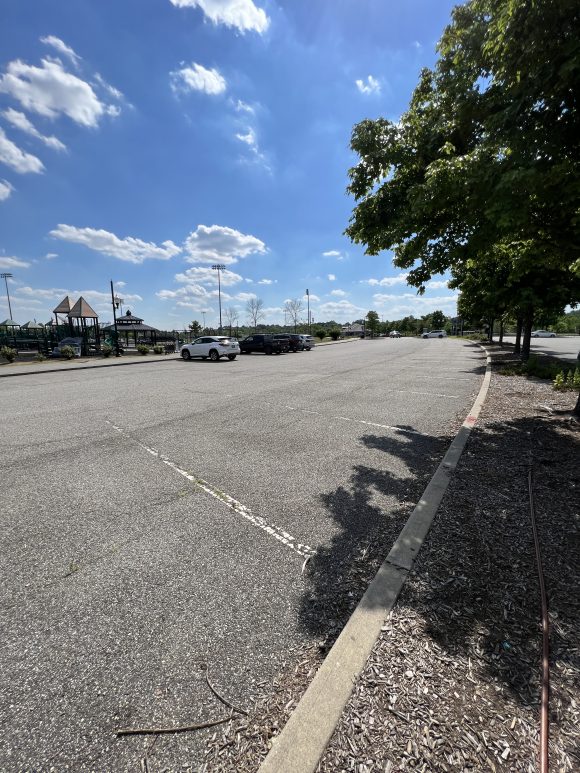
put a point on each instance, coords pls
(178, 729)
(220, 697)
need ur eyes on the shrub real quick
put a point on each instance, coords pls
(567, 380)
(8, 353)
(143, 349)
(106, 350)
(559, 381)
(40, 357)
(320, 334)
(67, 352)
(158, 349)
(335, 335)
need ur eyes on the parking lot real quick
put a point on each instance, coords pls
(161, 518)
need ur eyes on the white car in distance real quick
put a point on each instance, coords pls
(543, 334)
(211, 347)
(435, 334)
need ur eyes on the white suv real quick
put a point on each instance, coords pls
(435, 334)
(213, 347)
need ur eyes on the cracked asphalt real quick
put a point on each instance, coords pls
(122, 577)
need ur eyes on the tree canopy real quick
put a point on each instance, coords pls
(481, 175)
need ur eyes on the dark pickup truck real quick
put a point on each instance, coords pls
(263, 343)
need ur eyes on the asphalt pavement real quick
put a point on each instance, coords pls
(158, 519)
(565, 347)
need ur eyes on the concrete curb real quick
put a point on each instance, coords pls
(86, 367)
(304, 738)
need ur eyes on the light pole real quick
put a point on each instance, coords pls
(119, 303)
(219, 267)
(115, 301)
(6, 277)
(203, 315)
(309, 325)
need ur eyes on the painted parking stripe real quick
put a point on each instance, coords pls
(355, 421)
(256, 520)
(426, 394)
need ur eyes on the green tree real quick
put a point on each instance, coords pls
(438, 320)
(195, 328)
(469, 179)
(372, 323)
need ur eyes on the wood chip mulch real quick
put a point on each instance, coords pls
(453, 683)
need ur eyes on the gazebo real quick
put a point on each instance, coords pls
(8, 327)
(129, 324)
(62, 308)
(78, 316)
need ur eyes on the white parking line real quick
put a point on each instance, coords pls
(237, 507)
(427, 394)
(356, 421)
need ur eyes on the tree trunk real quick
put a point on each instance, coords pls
(576, 410)
(501, 332)
(518, 345)
(528, 322)
(490, 331)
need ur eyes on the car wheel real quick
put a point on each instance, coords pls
(553, 335)
(214, 355)
(231, 357)
(439, 336)
(268, 350)
(185, 354)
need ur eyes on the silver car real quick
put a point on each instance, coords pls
(307, 342)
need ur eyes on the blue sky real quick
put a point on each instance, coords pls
(144, 140)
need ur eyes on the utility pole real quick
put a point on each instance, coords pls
(6, 277)
(309, 323)
(115, 302)
(219, 267)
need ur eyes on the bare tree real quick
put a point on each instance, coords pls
(294, 308)
(254, 311)
(231, 317)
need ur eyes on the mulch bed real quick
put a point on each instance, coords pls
(453, 683)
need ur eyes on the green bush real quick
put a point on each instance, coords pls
(40, 357)
(143, 349)
(567, 380)
(67, 352)
(320, 334)
(106, 350)
(8, 353)
(158, 349)
(335, 335)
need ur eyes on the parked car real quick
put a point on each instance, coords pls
(394, 334)
(308, 342)
(294, 341)
(543, 334)
(435, 334)
(212, 347)
(76, 344)
(267, 344)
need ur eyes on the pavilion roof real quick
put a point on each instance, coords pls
(9, 323)
(129, 318)
(63, 307)
(140, 328)
(83, 310)
(32, 326)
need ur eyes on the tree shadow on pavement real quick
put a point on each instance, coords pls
(475, 581)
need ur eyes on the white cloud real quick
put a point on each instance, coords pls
(268, 281)
(220, 244)
(196, 77)
(62, 48)
(52, 255)
(339, 293)
(437, 285)
(203, 275)
(243, 107)
(50, 90)
(13, 263)
(371, 86)
(128, 249)
(341, 311)
(5, 190)
(242, 14)
(17, 159)
(115, 93)
(20, 121)
(331, 277)
(387, 281)
(58, 293)
(331, 254)
(396, 306)
(245, 297)
(313, 298)
(249, 138)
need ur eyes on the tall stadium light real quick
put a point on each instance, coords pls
(6, 277)
(116, 302)
(309, 324)
(219, 267)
